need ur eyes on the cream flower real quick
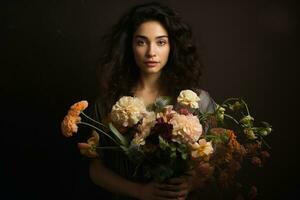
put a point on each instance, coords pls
(202, 148)
(186, 128)
(148, 122)
(128, 111)
(166, 113)
(188, 98)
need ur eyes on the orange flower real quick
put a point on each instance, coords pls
(77, 108)
(69, 125)
(234, 149)
(89, 149)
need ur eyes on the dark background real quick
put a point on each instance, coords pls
(49, 51)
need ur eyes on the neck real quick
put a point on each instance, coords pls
(148, 82)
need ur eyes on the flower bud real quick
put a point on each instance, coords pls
(250, 134)
(236, 106)
(220, 113)
(247, 121)
(263, 132)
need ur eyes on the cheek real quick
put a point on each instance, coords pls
(165, 53)
(138, 53)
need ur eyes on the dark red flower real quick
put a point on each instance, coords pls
(252, 192)
(160, 129)
(256, 161)
(264, 155)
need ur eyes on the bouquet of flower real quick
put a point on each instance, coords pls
(171, 140)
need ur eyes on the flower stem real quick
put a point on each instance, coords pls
(246, 106)
(230, 99)
(92, 119)
(267, 145)
(230, 117)
(108, 147)
(87, 124)
(204, 116)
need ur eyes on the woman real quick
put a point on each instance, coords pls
(149, 54)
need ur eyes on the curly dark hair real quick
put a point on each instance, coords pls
(118, 72)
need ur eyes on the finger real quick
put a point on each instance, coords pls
(178, 180)
(173, 187)
(166, 198)
(169, 187)
(168, 194)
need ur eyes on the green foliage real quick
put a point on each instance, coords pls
(221, 138)
(118, 135)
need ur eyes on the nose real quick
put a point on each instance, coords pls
(151, 52)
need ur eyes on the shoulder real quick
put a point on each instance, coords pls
(206, 103)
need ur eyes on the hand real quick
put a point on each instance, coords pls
(182, 185)
(175, 189)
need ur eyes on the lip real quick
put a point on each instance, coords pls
(151, 63)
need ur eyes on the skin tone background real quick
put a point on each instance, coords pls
(49, 50)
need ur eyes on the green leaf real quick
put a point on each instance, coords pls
(266, 124)
(124, 148)
(184, 155)
(120, 137)
(222, 138)
(182, 148)
(173, 155)
(161, 173)
(173, 148)
(163, 144)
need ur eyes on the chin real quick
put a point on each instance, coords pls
(152, 71)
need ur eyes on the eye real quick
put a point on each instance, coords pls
(161, 42)
(140, 43)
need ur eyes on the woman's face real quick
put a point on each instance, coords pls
(151, 47)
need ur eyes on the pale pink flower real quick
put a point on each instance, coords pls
(166, 114)
(186, 128)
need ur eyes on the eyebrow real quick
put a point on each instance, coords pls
(158, 37)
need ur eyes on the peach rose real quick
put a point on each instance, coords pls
(186, 128)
